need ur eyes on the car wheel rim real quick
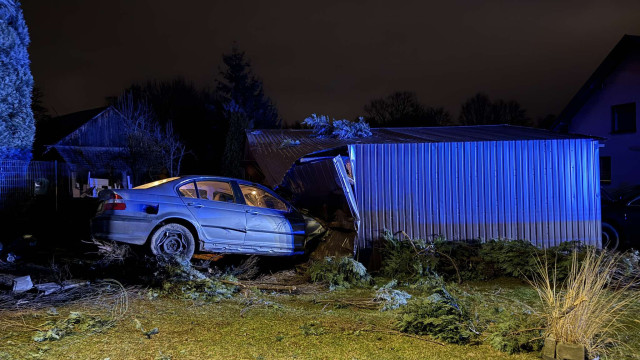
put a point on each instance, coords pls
(172, 243)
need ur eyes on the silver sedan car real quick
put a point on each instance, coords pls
(178, 215)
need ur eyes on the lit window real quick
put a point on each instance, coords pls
(257, 197)
(215, 191)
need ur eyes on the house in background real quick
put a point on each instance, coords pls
(91, 143)
(463, 183)
(607, 107)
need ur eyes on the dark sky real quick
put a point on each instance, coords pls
(329, 57)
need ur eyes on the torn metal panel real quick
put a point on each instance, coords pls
(347, 186)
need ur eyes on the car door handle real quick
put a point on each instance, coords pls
(195, 205)
(252, 212)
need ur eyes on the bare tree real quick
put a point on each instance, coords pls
(402, 108)
(148, 146)
(480, 110)
(173, 150)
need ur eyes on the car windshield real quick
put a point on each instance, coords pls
(155, 183)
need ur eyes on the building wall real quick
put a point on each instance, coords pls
(544, 191)
(594, 118)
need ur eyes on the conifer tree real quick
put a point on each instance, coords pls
(17, 127)
(240, 86)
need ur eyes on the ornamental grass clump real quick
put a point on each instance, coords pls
(589, 308)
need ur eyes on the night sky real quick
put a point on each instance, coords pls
(329, 57)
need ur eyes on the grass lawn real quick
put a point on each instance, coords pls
(255, 325)
(251, 326)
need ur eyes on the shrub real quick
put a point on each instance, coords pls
(340, 273)
(409, 259)
(514, 258)
(588, 307)
(438, 315)
(516, 331)
(404, 260)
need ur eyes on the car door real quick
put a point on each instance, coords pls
(222, 218)
(268, 229)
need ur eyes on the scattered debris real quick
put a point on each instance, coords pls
(22, 284)
(49, 288)
(391, 298)
(11, 257)
(289, 142)
(76, 322)
(149, 333)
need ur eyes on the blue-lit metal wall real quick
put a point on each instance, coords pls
(544, 191)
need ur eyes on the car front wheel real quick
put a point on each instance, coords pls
(173, 241)
(610, 237)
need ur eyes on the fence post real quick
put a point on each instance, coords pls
(55, 165)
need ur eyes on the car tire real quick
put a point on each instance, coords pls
(610, 237)
(173, 241)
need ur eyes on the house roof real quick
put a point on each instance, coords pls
(275, 157)
(627, 44)
(53, 130)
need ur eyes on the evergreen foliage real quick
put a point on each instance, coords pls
(345, 129)
(233, 150)
(391, 298)
(340, 273)
(411, 259)
(17, 128)
(439, 315)
(403, 259)
(516, 331)
(239, 85)
(342, 129)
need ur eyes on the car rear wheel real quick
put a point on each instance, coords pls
(610, 237)
(173, 241)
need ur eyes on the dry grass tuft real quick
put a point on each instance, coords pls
(589, 307)
(110, 251)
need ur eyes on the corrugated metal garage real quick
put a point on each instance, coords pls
(478, 182)
(545, 191)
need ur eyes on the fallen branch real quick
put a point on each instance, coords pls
(359, 303)
(271, 287)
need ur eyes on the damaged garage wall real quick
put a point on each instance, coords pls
(544, 191)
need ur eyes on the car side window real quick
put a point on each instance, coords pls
(215, 191)
(257, 197)
(188, 190)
